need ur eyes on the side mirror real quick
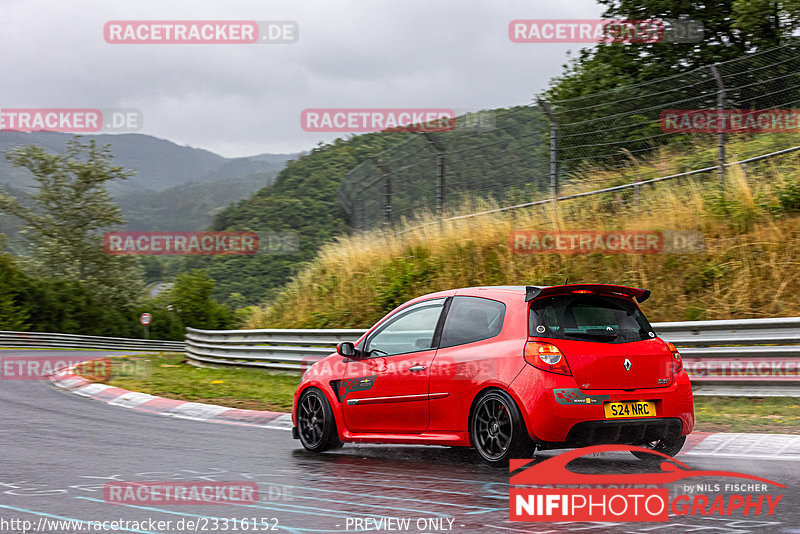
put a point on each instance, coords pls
(346, 349)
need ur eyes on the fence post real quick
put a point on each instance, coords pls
(720, 122)
(440, 173)
(387, 192)
(359, 213)
(440, 184)
(553, 148)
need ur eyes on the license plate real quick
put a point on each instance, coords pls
(629, 409)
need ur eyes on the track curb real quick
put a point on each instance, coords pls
(67, 379)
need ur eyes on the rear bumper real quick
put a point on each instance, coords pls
(628, 431)
(550, 421)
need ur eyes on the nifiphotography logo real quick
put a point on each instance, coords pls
(571, 496)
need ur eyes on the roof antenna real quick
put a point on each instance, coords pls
(566, 281)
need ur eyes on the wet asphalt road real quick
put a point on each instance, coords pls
(58, 450)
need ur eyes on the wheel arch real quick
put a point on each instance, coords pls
(330, 396)
(479, 394)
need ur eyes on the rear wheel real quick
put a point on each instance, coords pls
(668, 446)
(316, 426)
(497, 430)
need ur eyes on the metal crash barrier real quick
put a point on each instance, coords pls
(750, 357)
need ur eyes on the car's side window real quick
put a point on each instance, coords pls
(472, 319)
(410, 330)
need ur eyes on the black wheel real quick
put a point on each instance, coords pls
(315, 424)
(669, 446)
(497, 431)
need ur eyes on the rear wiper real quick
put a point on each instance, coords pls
(596, 334)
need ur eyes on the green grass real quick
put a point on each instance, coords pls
(255, 389)
(747, 414)
(171, 377)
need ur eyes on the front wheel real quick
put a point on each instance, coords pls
(669, 446)
(497, 430)
(316, 426)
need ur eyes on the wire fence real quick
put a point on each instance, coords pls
(530, 153)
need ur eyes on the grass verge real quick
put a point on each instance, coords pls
(254, 389)
(169, 376)
(772, 415)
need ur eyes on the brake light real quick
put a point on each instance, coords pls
(677, 361)
(547, 357)
(582, 291)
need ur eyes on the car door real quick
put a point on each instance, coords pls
(387, 391)
(470, 353)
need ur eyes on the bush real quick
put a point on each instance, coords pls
(789, 196)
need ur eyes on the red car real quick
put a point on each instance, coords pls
(504, 369)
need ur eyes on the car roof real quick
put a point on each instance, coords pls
(530, 292)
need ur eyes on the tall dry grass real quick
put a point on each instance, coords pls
(749, 267)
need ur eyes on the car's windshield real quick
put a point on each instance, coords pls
(589, 318)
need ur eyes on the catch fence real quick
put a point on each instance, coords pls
(529, 154)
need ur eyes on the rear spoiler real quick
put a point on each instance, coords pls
(532, 292)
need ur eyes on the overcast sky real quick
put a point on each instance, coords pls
(240, 99)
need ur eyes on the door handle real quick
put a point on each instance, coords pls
(416, 368)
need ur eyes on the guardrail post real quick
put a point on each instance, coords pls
(720, 122)
(553, 148)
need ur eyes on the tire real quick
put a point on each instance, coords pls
(668, 446)
(316, 425)
(497, 431)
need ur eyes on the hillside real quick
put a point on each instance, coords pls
(751, 232)
(190, 206)
(303, 199)
(159, 164)
(305, 196)
(174, 188)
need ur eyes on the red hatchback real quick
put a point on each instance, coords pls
(503, 369)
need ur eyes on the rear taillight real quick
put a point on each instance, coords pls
(677, 361)
(547, 357)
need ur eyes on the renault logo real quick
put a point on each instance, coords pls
(627, 364)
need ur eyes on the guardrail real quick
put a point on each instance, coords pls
(277, 349)
(749, 357)
(75, 341)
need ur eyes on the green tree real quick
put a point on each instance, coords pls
(732, 28)
(191, 299)
(72, 209)
(12, 312)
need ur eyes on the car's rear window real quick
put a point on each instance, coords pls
(472, 319)
(588, 318)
